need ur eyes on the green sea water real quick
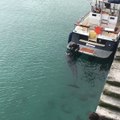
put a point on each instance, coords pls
(37, 80)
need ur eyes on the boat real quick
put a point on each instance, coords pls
(98, 32)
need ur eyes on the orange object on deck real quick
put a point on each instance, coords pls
(98, 29)
(88, 50)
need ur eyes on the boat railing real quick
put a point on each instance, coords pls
(78, 23)
(81, 19)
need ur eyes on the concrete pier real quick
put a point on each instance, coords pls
(109, 104)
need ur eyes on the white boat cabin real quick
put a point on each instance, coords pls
(103, 21)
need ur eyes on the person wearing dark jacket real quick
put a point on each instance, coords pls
(95, 116)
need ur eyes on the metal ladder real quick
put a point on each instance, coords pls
(103, 20)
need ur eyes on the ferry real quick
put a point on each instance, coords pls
(98, 32)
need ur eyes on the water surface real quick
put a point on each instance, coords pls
(37, 80)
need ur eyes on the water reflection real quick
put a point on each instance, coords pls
(78, 117)
(90, 66)
(89, 74)
(72, 60)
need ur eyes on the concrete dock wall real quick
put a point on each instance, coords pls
(109, 104)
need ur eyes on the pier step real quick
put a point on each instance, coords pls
(119, 47)
(112, 88)
(109, 104)
(111, 101)
(113, 83)
(110, 114)
(117, 55)
(114, 72)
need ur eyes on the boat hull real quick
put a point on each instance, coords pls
(101, 50)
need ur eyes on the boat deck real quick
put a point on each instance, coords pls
(89, 49)
(108, 25)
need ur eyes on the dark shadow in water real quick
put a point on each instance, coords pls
(78, 117)
(91, 78)
(72, 61)
(66, 109)
(51, 104)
